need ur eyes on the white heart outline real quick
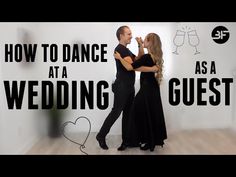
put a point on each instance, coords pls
(70, 122)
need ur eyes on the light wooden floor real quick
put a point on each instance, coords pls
(182, 142)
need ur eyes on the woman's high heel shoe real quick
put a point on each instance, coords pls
(145, 147)
(152, 148)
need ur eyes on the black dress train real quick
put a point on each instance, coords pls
(147, 124)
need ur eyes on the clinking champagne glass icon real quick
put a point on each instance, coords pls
(193, 40)
(179, 40)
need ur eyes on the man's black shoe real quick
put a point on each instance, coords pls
(102, 142)
(122, 147)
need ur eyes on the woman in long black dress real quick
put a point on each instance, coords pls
(148, 127)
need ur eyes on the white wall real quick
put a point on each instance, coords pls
(17, 127)
(184, 67)
(70, 33)
(1, 113)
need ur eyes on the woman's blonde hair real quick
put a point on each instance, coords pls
(156, 53)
